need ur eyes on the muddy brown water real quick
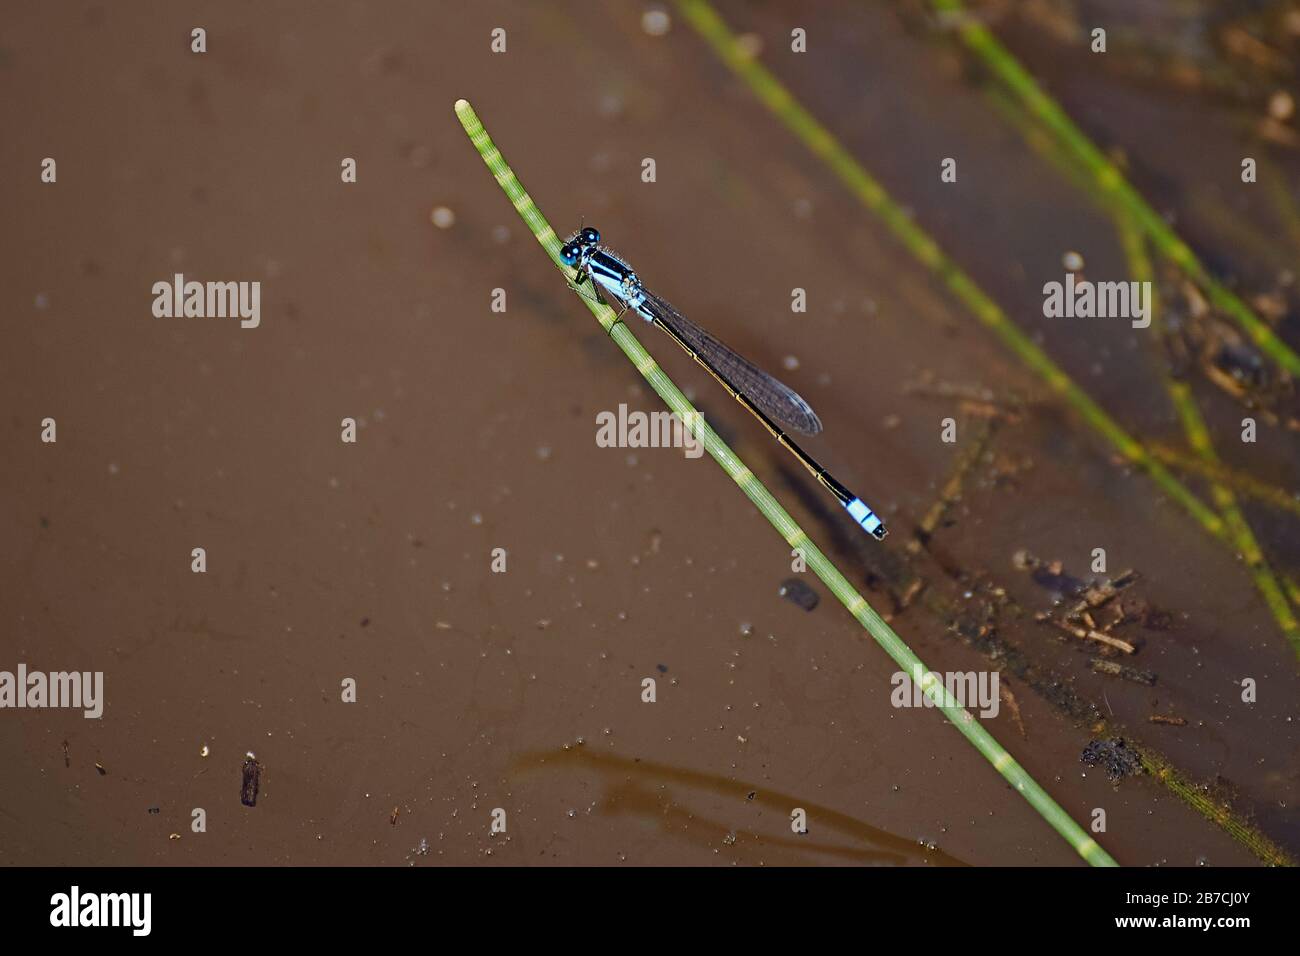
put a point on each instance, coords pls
(370, 561)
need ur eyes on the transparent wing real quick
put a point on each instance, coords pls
(775, 399)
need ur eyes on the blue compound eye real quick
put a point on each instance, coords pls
(590, 236)
(569, 253)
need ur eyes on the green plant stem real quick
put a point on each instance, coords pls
(1236, 532)
(793, 535)
(1200, 798)
(1246, 484)
(981, 42)
(1236, 528)
(874, 197)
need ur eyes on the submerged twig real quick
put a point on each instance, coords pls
(1091, 634)
(1102, 666)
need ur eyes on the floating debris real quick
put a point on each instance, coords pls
(797, 592)
(100, 768)
(1200, 338)
(1113, 669)
(67, 759)
(910, 594)
(973, 399)
(1095, 608)
(1281, 106)
(1013, 707)
(1171, 721)
(1049, 575)
(252, 780)
(1116, 757)
(1087, 634)
(656, 22)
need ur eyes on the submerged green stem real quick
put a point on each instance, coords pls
(1110, 181)
(1204, 461)
(1236, 529)
(916, 240)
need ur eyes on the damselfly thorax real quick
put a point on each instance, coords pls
(611, 274)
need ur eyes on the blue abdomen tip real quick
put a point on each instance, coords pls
(864, 516)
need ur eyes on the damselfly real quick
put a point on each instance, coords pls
(773, 403)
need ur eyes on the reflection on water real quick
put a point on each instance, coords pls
(642, 789)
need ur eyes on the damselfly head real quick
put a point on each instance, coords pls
(579, 243)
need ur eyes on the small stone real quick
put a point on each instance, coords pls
(796, 592)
